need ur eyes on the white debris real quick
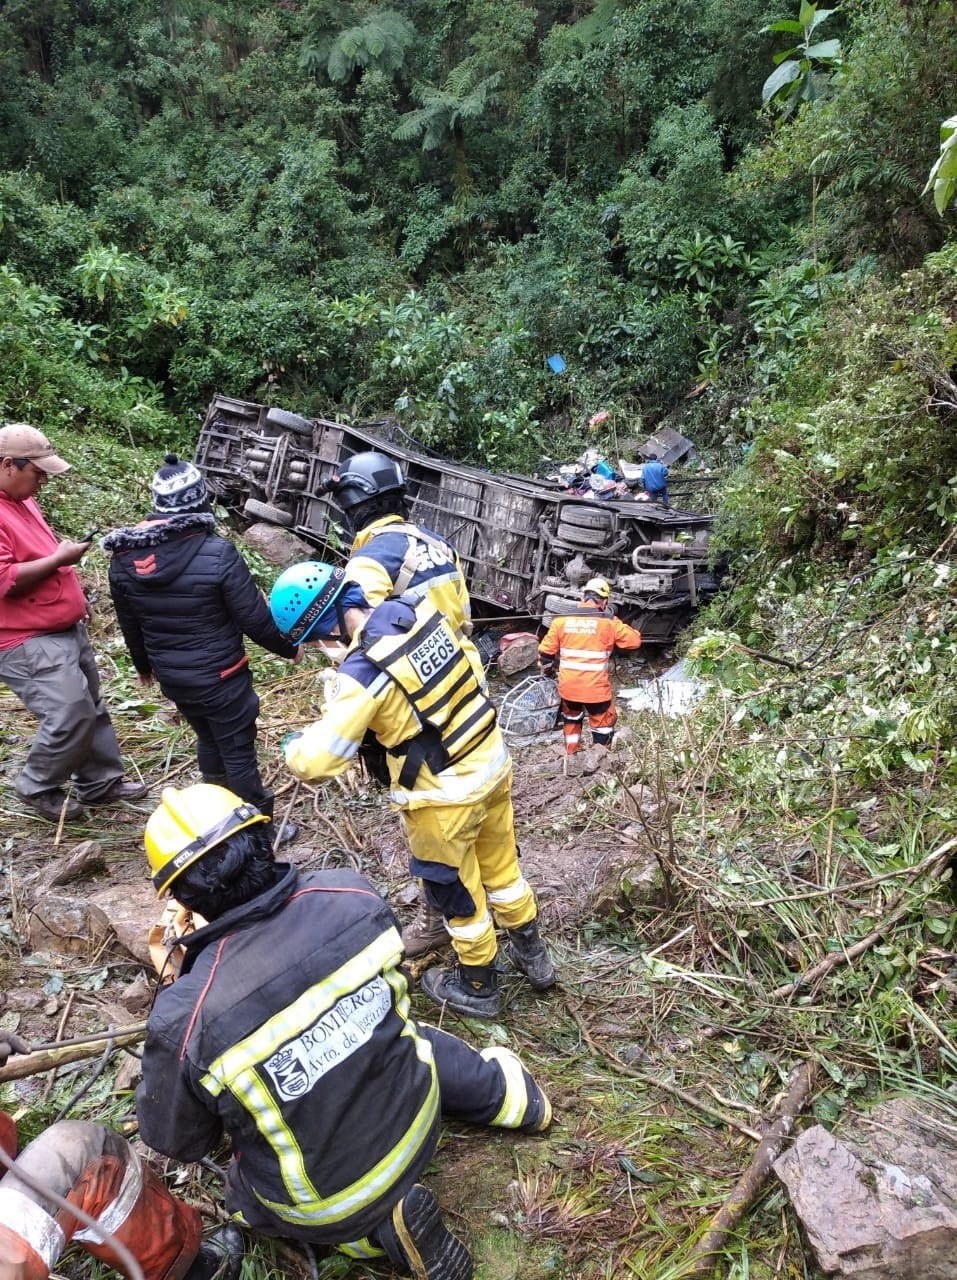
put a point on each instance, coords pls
(671, 694)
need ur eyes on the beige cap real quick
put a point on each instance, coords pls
(19, 440)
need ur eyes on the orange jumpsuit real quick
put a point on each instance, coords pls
(583, 643)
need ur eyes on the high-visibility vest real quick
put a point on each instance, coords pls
(584, 641)
(430, 666)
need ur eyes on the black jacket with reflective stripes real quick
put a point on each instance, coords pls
(289, 1030)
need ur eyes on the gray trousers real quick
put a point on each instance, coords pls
(55, 677)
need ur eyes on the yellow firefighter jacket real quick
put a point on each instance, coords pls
(392, 556)
(411, 680)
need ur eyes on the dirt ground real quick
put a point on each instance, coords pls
(347, 822)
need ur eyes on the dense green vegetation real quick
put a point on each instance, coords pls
(360, 210)
(364, 210)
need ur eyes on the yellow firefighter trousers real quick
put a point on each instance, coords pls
(478, 842)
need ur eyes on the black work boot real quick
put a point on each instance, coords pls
(471, 990)
(220, 1256)
(50, 805)
(528, 954)
(420, 1244)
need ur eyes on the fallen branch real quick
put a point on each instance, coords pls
(746, 1190)
(935, 865)
(655, 1082)
(57, 1055)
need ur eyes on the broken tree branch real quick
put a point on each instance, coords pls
(655, 1082)
(935, 865)
(746, 1190)
(45, 1057)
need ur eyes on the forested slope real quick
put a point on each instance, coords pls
(361, 209)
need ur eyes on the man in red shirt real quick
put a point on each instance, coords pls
(580, 644)
(45, 653)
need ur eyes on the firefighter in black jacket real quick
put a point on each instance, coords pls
(185, 598)
(289, 1030)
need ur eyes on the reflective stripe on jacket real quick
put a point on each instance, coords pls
(584, 642)
(406, 666)
(392, 556)
(430, 666)
(290, 1014)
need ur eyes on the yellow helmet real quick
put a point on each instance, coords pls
(190, 822)
(597, 587)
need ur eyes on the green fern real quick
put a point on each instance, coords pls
(443, 112)
(380, 42)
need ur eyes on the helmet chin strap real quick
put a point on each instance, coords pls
(341, 615)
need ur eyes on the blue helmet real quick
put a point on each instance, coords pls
(305, 600)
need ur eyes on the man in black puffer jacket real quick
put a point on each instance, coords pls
(185, 598)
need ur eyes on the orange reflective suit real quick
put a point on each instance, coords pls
(583, 642)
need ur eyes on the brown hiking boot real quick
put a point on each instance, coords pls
(427, 932)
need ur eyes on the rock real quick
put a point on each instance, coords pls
(136, 995)
(128, 1075)
(409, 894)
(83, 860)
(880, 1202)
(594, 758)
(277, 545)
(69, 926)
(635, 884)
(132, 910)
(517, 651)
(646, 800)
(643, 884)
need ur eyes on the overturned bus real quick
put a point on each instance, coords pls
(526, 546)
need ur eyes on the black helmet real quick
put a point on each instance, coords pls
(368, 475)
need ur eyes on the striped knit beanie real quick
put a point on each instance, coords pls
(178, 486)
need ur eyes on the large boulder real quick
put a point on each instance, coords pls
(277, 545)
(132, 910)
(880, 1202)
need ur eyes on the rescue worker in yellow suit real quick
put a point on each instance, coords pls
(289, 1031)
(579, 645)
(391, 554)
(99, 1172)
(408, 678)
